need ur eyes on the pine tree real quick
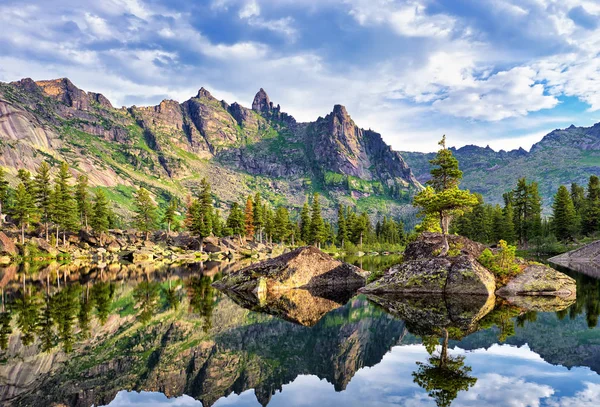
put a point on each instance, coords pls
(217, 223)
(269, 223)
(305, 223)
(509, 234)
(235, 220)
(282, 225)
(342, 234)
(22, 209)
(258, 215)
(578, 198)
(591, 217)
(564, 215)
(64, 205)
(3, 194)
(249, 218)
(99, 220)
(169, 216)
(204, 214)
(43, 194)
(318, 233)
(442, 196)
(82, 198)
(145, 209)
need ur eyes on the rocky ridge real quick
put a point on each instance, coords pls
(169, 147)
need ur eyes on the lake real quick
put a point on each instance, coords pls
(158, 335)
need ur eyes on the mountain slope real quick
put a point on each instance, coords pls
(168, 148)
(560, 158)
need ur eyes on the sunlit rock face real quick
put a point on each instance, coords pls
(301, 268)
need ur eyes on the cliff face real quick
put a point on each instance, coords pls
(169, 147)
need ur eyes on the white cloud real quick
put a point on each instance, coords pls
(405, 18)
(587, 397)
(250, 9)
(97, 26)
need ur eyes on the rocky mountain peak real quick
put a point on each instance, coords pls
(261, 102)
(341, 112)
(204, 94)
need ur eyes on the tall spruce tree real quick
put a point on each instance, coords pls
(99, 220)
(281, 229)
(591, 217)
(169, 216)
(442, 196)
(342, 234)
(82, 197)
(318, 233)
(64, 205)
(203, 217)
(43, 194)
(258, 216)
(235, 220)
(145, 212)
(22, 209)
(564, 215)
(305, 223)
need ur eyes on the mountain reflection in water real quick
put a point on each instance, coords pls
(153, 335)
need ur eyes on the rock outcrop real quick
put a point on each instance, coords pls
(7, 246)
(436, 275)
(425, 272)
(538, 279)
(306, 267)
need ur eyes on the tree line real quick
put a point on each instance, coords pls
(60, 206)
(575, 214)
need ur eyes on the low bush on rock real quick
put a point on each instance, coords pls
(503, 263)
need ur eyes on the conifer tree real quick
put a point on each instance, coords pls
(82, 197)
(217, 223)
(564, 215)
(235, 220)
(145, 212)
(64, 205)
(269, 223)
(342, 234)
(204, 214)
(25, 177)
(318, 233)
(3, 194)
(249, 218)
(591, 219)
(305, 223)
(509, 225)
(22, 209)
(99, 220)
(258, 216)
(442, 196)
(43, 194)
(169, 216)
(282, 225)
(578, 198)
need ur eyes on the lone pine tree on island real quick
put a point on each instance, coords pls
(442, 197)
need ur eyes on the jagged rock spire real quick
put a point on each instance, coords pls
(261, 102)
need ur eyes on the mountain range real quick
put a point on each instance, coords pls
(170, 147)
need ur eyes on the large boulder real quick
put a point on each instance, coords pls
(305, 267)
(7, 246)
(436, 275)
(539, 279)
(429, 245)
(44, 246)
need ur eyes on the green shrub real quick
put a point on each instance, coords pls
(375, 275)
(502, 264)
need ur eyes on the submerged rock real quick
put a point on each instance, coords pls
(301, 268)
(436, 275)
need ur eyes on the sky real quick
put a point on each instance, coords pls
(501, 73)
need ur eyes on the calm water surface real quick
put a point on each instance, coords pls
(131, 335)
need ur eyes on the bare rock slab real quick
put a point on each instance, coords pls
(539, 279)
(305, 267)
(7, 246)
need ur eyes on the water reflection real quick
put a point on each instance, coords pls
(117, 334)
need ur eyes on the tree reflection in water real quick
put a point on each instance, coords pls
(444, 375)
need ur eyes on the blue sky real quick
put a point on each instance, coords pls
(497, 72)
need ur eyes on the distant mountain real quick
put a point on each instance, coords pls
(168, 148)
(560, 158)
